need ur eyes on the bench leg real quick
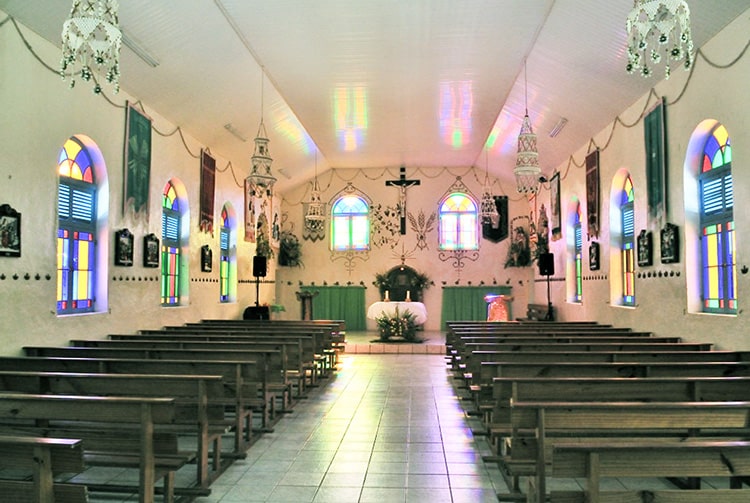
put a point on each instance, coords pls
(169, 487)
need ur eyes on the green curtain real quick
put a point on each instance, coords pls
(339, 303)
(466, 303)
(655, 143)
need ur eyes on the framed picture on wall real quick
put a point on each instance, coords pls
(10, 231)
(645, 249)
(150, 251)
(206, 258)
(124, 248)
(670, 244)
(594, 256)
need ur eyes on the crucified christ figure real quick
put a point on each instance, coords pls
(402, 183)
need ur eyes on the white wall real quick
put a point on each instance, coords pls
(719, 94)
(320, 265)
(39, 112)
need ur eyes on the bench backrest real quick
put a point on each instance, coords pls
(611, 369)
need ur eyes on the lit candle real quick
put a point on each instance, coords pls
(408, 296)
(387, 298)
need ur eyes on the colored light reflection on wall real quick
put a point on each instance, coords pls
(350, 116)
(456, 103)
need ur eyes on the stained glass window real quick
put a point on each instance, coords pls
(170, 247)
(628, 244)
(719, 274)
(227, 260)
(578, 255)
(350, 224)
(76, 243)
(458, 223)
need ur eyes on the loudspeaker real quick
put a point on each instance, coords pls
(546, 264)
(256, 313)
(259, 266)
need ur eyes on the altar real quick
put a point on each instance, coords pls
(388, 308)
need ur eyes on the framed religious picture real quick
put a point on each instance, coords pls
(670, 244)
(592, 193)
(645, 249)
(206, 258)
(137, 160)
(10, 231)
(124, 248)
(150, 251)
(554, 205)
(594, 256)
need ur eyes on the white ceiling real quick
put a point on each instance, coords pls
(380, 83)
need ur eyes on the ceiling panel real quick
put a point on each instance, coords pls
(380, 83)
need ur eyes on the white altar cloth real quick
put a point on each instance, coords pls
(378, 309)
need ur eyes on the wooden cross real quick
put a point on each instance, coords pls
(403, 184)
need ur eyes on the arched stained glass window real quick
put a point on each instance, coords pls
(170, 248)
(578, 255)
(76, 231)
(719, 275)
(627, 244)
(228, 257)
(458, 223)
(350, 224)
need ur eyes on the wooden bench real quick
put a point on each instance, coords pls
(474, 359)
(506, 390)
(240, 390)
(43, 458)
(323, 338)
(669, 459)
(537, 426)
(301, 351)
(103, 417)
(271, 366)
(199, 405)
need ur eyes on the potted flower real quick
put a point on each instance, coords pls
(401, 325)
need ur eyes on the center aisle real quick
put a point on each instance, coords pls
(387, 428)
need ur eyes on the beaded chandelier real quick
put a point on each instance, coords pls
(315, 208)
(487, 208)
(527, 168)
(658, 31)
(91, 41)
(260, 175)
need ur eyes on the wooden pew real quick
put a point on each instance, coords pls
(198, 402)
(474, 359)
(301, 350)
(337, 328)
(537, 426)
(152, 458)
(506, 390)
(611, 369)
(271, 366)
(44, 458)
(240, 390)
(677, 458)
(323, 339)
(296, 351)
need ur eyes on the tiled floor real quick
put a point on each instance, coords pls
(388, 428)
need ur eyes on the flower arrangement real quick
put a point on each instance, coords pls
(417, 282)
(290, 250)
(399, 325)
(263, 246)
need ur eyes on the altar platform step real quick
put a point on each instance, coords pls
(367, 343)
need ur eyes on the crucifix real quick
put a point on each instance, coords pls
(402, 183)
